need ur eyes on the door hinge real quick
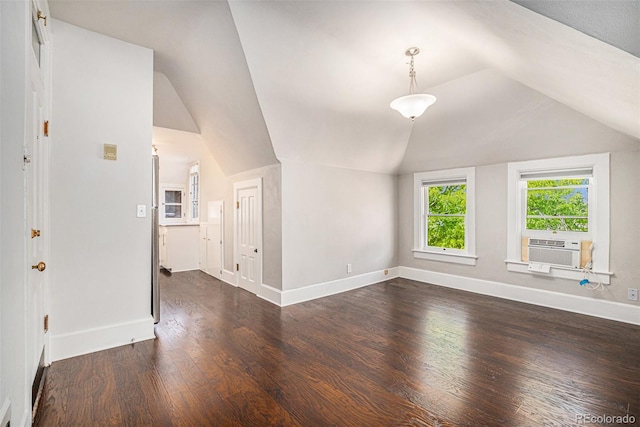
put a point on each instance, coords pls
(237, 205)
(46, 323)
(45, 128)
(26, 159)
(41, 16)
(237, 267)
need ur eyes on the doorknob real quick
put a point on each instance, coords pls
(40, 266)
(255, 250)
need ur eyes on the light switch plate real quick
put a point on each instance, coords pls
(142, 211)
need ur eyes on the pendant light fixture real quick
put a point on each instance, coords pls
(414, 104)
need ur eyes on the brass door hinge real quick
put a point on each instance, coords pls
(35, 233)
(45, 128)
(237, 205)
(46, 323)
(237, 267)
(41, 16)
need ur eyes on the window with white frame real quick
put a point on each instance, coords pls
(560, 199)
(194, 192)
(444, 216)
(172, 208)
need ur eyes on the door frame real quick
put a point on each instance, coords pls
(237, 187)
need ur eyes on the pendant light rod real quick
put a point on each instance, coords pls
(413, 84)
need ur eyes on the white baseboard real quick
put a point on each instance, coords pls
(271, 294)
(86, 341)
(229, 277)
(184, 269)
(294, 296)
(216, 275)
(611, 310)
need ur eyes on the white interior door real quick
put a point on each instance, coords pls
(35, 235)
(35, 176)
(248, 236)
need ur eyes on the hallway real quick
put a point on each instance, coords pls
(395, 353)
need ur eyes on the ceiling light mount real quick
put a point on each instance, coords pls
(414, 104)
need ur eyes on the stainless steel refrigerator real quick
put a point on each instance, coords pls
(155, 249)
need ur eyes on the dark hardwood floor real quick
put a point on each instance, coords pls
(399, 353)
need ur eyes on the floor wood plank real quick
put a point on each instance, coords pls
(398, 353)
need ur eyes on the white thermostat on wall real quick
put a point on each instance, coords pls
(110, 152)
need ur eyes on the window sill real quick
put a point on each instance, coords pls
(560, 272)
(445, 257)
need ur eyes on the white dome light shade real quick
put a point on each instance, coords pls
(412, 106)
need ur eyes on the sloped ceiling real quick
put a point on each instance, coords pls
(196, 46)
(312, 80)
(168, 109)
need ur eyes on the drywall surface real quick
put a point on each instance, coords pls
(15, 20)
(332, 217)
(100, 263)
(491, 232)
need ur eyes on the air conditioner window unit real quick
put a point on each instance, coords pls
(563, 253)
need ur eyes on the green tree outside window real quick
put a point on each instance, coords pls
(446, 210)
(558, 205)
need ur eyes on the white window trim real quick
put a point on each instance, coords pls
(598, 210)
(171, 187)
(421, 251)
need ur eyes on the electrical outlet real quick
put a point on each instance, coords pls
(632, 294)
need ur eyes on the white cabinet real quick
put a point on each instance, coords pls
(211, 249)
(179, 247)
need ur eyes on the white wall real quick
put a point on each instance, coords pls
(177, 150)
(333, 217)
(491, 232)
(15, 27)
(100, 263)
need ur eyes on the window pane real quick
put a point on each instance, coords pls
(540, 183)
(547, 197)
(558, 224)
(445, 232)
(173, 211)
(558, 202)
(173, 196)
(448, 199)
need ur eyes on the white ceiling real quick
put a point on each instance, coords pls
(312, 80)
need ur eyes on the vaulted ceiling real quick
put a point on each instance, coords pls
(312, 80)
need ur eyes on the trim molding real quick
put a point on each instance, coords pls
(185, 269)
(271, 294)
(576, 274)
(611, 310)
(228, 277)
(86, 341)
(319, 290)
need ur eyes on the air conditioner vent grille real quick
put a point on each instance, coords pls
(547, 256)
(547, 243)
